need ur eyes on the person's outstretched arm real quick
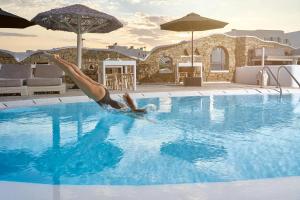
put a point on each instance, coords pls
(128, 100)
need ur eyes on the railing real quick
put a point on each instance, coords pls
(288, 71)
(273, 76)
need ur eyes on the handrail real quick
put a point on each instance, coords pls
(288, 71)
(273, 76)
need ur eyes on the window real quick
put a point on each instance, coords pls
(218, 59)
(279, 40)
(165, 65)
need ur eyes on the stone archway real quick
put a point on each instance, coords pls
(219, 59)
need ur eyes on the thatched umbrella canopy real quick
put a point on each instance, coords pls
(8, 20)
(78, 19)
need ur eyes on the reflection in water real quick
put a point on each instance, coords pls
(14, 161)
(192, 151)
(91, 154)
(165, 105)
(55, 132)
(237, 114)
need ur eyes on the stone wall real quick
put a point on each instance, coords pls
(91, 59)
(6, 58)
(204, 46)
(237, 52)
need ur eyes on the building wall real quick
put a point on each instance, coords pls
(246, 45)
(268, 35)
(150, 67)
(91, 58)
(237, 50)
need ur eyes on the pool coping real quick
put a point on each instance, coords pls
(275, 189)
(141, 95)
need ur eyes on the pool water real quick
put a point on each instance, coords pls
(186, 140)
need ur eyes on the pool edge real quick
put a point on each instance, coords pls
(140, 95)
(275, 189)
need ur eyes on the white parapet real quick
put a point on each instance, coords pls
(248, 75)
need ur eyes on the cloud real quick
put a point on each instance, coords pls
(33, 3)
(6, 34)
(144, 32)
(134, 1)
(145, 29)
(157, 19)
(5, 2)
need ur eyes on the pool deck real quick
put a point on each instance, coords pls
(144, 91)
(268, 189)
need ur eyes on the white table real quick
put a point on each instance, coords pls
(118, 64)
(188, 64)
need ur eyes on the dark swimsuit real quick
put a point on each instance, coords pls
(106, 100)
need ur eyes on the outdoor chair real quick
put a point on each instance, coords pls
(113, 81)
(12, 78)
(127, 81)
(182, 76)
(47, 78)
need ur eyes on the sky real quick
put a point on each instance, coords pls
(141, 19)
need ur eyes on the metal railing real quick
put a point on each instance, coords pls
(288, 71)
(273, 76)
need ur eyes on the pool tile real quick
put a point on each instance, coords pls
(2, 106)
(155, 94)
(13, 104)
(46, 101)
(74, 99)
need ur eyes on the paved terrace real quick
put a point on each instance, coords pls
(208, 86)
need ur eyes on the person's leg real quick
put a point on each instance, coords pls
(77, 70)
(92, 90)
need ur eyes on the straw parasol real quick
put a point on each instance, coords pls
(192, 22)
(8, 20)
(78, 19)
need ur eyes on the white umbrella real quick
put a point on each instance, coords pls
(78, 19)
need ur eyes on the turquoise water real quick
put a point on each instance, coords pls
(187, 140)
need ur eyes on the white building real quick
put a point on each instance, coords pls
(292, 38)
(130, 51)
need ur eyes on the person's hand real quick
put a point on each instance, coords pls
(56, 56)
(51, 56)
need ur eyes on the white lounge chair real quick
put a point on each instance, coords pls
(12, 78)
(47, 78)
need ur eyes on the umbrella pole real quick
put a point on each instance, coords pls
(79, 50)
(79, 44)
(192, 49)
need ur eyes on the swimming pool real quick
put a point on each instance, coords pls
(187, 140)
